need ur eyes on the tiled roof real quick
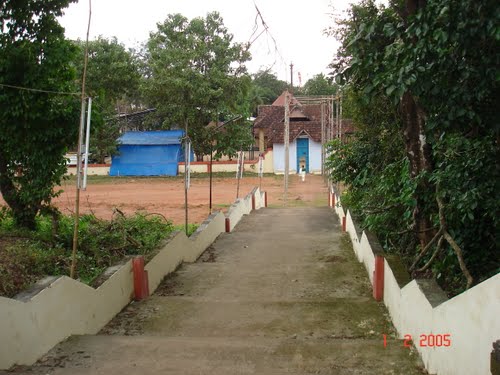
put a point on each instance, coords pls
(271, 120)
(304, 119)
(280, 100)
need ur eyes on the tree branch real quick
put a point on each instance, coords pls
(436, 252)
(458, 252)
(426, 248)
(451, 241)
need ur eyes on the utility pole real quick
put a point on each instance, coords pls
(340, 118)
(337, 111)
(291, 78)
(72, 271)
(323, 138)
(187, 155)
(287, 142)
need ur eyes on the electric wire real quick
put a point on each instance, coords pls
(39, 90)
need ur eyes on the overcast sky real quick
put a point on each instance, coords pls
(297, 26)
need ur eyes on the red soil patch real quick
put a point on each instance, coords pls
(166, 196)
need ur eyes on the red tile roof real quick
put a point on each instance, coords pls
(304, 119)
(280, 100)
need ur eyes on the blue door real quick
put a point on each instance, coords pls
(303, 153)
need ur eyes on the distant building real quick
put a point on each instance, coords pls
(305, 133)
(148, 153)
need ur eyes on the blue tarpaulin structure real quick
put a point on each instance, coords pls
(148, 153)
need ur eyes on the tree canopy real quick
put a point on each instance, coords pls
(267, 86)
(113, 80)
(320, 85)
(195, 75)
(38, 120)
(425, 75)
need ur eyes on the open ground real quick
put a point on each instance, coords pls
(166, 195)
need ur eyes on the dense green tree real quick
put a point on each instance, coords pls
(320, 85)
(267, 86)
(35, 126)
(195, 75)
(113, 82)
(437, 62)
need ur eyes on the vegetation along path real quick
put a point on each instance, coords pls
(283, 293)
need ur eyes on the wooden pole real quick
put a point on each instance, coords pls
(287, 143)
(79, 151)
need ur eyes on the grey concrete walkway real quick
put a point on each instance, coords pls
(282, 294)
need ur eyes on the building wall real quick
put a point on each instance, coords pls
(279, 157)
(314, 157)
(92, 170)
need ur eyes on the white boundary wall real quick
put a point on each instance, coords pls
(31, 325)
(421, 308)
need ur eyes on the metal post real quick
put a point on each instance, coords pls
(340, 118)
(186, 178)
(239, 171)
(337, 117)
(287, 143)
(210, 173)
(87, 145)
(322, 138)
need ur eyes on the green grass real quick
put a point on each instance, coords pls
(191, 228)
(26, 256)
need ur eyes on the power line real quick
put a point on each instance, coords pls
(266, 30)
(38, 90)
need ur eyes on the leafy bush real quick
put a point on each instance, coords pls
(27, 256)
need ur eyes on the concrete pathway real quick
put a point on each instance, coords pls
(282, 294)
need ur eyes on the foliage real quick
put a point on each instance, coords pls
(35, 127)
(267, 87)
(113, 83)
(441, 56)
(28, 256)
(233, 137)
(195, 75)
(320, 85)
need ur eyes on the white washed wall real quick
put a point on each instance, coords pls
(470, 319)
(32, 326)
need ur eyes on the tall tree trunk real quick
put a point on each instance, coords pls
(419, 153)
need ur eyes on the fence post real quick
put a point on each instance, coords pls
(141, 282)
(378, 278)
(228, 225)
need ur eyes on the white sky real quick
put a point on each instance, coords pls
(296, 25)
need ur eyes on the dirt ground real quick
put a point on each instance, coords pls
(166, 195)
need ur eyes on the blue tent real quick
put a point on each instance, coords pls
(149, 153)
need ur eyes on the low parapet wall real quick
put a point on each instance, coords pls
(33, 323)
(467, 325)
